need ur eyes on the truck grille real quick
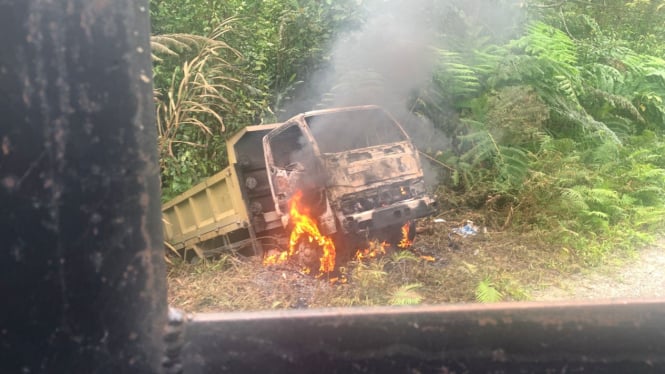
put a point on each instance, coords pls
(377, 197)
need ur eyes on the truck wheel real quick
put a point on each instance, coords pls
(308, 255)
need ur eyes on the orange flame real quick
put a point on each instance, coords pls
(375, 249)
(305, 228)
(405, 242)
(274, 259)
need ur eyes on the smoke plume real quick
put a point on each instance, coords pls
(390, 59)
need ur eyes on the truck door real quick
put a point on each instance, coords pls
(292, 165)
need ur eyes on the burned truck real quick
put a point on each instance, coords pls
(353, 171)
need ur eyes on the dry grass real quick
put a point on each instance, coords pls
(516, 264)
(197, 96)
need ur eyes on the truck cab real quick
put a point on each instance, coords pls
(357, 167)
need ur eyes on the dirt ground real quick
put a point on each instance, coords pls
(642, 276)
(441, 267)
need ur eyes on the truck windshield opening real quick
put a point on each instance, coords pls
(349, 130)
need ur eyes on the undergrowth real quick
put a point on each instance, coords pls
(555, 139)
(434, 272)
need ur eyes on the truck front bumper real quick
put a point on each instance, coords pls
(393, 215)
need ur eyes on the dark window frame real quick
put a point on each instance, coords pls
(83, 268)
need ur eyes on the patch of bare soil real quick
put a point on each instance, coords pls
(642, 276)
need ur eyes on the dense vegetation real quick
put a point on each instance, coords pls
(549, 114)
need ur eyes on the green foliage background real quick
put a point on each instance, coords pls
(554, 109)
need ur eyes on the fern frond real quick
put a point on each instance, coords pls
(517, 68)
(406, 295)
(649, 196)
(486, 292)
(483, 148)
(454, 76)
(573, 199)
(604, 77)
(651, 217)
(549, 43)
(513, 165)
(621, 126)
(600, 195)
(597, 214)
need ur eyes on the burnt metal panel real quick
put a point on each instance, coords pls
(81, 267)
(617, 337)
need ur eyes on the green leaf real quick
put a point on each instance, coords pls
(487, 293)
(406, 295)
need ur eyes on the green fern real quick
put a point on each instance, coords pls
(649, 218)
(636, 91)
(549, 43)
(603, 154)
(454, 76)
(604, 77)
(486, 292)
(480, 146)
(621, 126)
(573, 200)
(406, 295)
(513, 165)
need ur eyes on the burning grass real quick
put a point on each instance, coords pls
(439, 268)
